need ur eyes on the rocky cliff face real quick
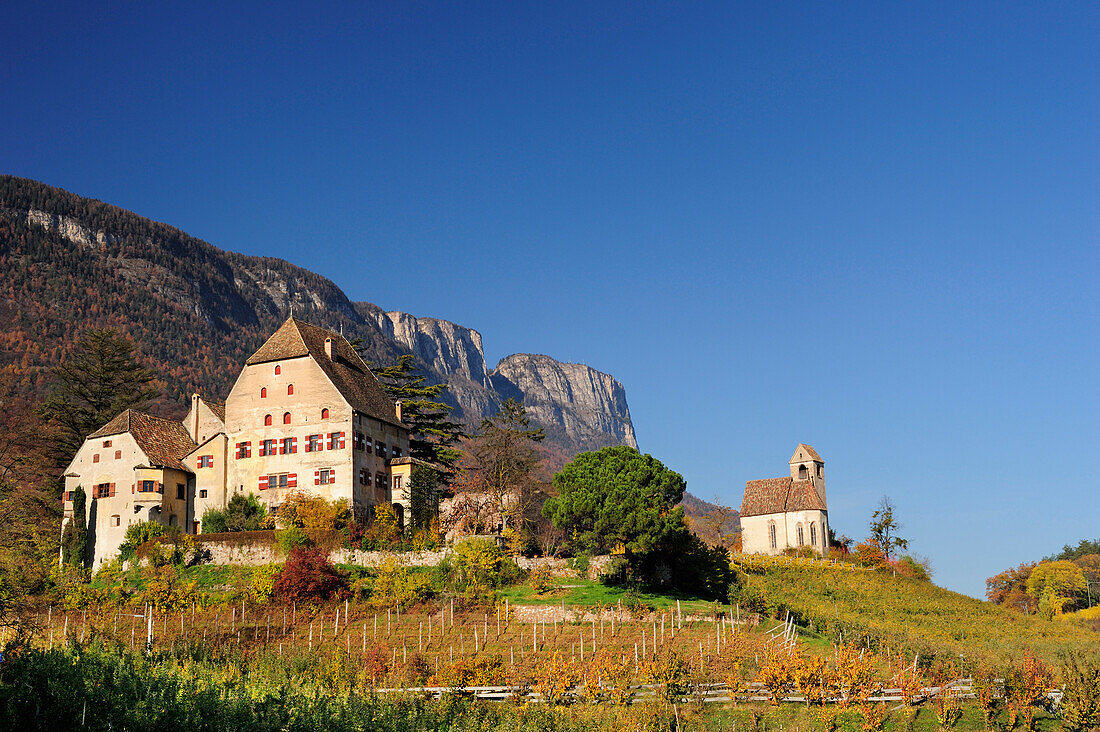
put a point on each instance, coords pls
(196, 312)
(586, 405)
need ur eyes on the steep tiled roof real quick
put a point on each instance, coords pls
(345, 369)
(779, 495)
(217, 409)
(809, 451)
(164, 441)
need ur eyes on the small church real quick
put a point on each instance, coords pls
(788, 512)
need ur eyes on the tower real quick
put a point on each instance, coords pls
(806, 464)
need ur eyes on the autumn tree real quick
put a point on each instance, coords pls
(884, 528)
(1056, 586)
(101, 378)
(1009, 588)
(499, 466)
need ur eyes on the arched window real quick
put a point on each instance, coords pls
(286, 418)
(267, 420)
(802, 473)
(771, 534)
(820, 470)
(324, 414)
(800, 541)
(263, 393)
(813, 534)
(290, 389)
(278, 370)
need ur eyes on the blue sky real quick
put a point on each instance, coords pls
(870, 227)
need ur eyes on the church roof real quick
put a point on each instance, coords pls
(780, 495)
(346, 370)
(809, 451)
(164, 441)
(217, 409)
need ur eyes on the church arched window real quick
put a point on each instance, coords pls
(286, 418)
(771, 534)
(263, 392)
(802, 472)
(267, 420)
(813, 534)
(800, 542)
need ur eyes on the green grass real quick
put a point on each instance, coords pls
(590, 593)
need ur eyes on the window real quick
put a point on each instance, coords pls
(813, 534)
(116, 520)
(244, 450)
(397, 484)
(380, 449)
(324, 414)
(278, 480)
(118, 454)
(289, 446)
(820, 470)
(172, 520)
(147, 486)
(263, 393)
(278, 369)
(202, 493)
(104, 490)
(206, 461)
(106, 443)
(314, 443)
(799, 530)
(379, 480)
(771, 535)
(359, 440)
(67, 496)
(180, 488)
(267, 420)
(194, 527)
(95, 458)
(364, 477)
(397, 452)
(286, 418)
(290, 389)
(336, 441)
(267, 448)
(802, 472)
(325, 476)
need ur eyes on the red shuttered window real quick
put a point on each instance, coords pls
(336, 441)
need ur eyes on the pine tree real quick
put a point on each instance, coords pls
(97, 382)
(433, 434)
(74, 539)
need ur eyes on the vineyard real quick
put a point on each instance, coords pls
(654, 662)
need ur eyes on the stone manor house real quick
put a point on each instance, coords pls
(787, 512)
(305, 412)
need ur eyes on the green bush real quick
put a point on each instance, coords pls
(243, 513)
(138, 534)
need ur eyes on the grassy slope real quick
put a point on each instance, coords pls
(914, 617)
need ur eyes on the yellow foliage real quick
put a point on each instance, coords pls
(263, 581)
(554, 677)
(303, 510)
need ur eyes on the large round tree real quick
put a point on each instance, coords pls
(618, 496)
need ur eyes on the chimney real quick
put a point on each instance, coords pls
(397, 408)
(328, 348)
(193, 428)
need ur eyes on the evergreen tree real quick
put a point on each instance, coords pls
(100, 379)
(433, 434)
(74, 540)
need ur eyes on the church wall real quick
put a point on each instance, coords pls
(208, 490)
(755, 534)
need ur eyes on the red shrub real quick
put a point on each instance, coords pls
(309, 575)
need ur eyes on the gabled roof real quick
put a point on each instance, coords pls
(780, 495)
(164, 441)
(346, 370)
(809, 451)
(217, 409)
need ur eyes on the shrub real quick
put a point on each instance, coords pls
(138, 534)
(287, 540)
(309, 575)
(579, 564)
(396, 585)
(243, 513)
(541, 580)
(304, 510)
(870, 554)
(1081, 704)
(616, 572)
(263, 581)
(908, 566)
(480, 564)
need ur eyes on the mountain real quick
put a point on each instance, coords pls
(196, 312)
